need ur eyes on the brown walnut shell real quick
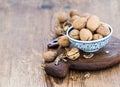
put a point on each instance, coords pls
(73, 13)
(97, 36)
(79, 23)
(63, 41)
(74, 18)
(62, 17)
(93, 23)
(49, 55)
(103, 30)
(85, 35)
(75, 34)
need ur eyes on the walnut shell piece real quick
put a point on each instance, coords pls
(103, 30)
(73, 54)
(74, 12)
(88, 56)
(49, 56)
(75, 34)
(79, 23)
(63, 41)
(66, 28)
(62, 17)
(85, 35)
(66, 25)
(97, 36)
(93, 23)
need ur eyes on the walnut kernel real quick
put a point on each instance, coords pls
(73, 54)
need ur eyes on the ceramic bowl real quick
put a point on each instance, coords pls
(90, 46)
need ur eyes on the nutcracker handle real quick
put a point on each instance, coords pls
(53, 43)
(59, 70)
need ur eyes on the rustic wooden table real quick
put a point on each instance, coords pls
(26, 26)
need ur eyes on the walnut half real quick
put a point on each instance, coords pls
(73, 54)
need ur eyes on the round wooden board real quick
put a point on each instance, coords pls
(100, 60)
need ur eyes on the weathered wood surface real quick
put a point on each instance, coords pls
(26, 28)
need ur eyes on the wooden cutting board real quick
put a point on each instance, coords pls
(100, 60)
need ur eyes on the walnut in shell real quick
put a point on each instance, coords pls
(73, 54)
(62, 17)
(79, 23)
(86, 15)
(74, 12)
(63, 41)
(58, 24)
(93, 23)
(97, 36)
(49, 55)
(85, 35)
(75, 34)
(59, 31)
(73, 18)
(103, 30)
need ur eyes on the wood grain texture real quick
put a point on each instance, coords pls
(101, 60)
(25, 30)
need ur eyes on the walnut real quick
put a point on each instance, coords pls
(59, 31)
(74, 18)
(73, 12)
(62, 17)
(73, 54)
(66, 25)
(86, 15)
(93, 23)
(103, 30)
(58, 24)
(49, 55)
(85, 34)
(97, 36)
(75, 34)
(79, 23)
(63, 41)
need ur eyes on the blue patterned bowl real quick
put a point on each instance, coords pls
(90, 46)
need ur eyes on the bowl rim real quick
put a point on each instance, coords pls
(111, 31)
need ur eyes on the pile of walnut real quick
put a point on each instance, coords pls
(87, 27)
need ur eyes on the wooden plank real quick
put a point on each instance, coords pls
(26, 28)
(101, 60)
